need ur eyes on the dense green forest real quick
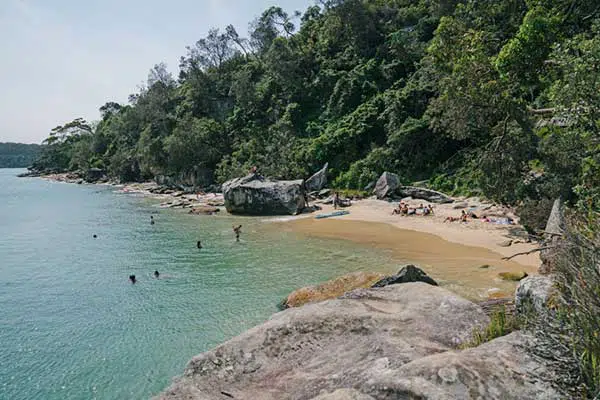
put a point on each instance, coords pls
(18, 155)
(496, 98)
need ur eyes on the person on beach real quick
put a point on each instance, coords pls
(199, 244)
(463, 216)
(156, 274)
(151, 220)
(237, 230)
(430, 207)
(336, 200)
(132, 278)
(398, 210)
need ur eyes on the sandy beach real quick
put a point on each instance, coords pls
(452, 253)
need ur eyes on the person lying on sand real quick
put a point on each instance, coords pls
(398, 210)
(463, 216)
(452, 219)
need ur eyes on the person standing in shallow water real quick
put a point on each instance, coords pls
(132, 278)
(199, 244)
(237, 230)
(156, 274)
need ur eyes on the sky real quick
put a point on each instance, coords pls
(63, 59)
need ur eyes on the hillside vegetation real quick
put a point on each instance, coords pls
(18, 155)
(486, 97)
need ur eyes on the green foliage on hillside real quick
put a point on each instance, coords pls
(18, 155)
(487, 97)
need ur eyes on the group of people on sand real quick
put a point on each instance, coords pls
(404, 210)
(466, 215)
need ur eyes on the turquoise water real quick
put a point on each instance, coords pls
(73, 327)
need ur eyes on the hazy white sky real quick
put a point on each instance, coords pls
(63, 59)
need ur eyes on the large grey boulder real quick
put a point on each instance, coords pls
(533, 293)
(304, 352)
(386, 185)
(397, 342)
(502, 369)
(255, 195)
(407, 274)
(318, 180)
(429, 195)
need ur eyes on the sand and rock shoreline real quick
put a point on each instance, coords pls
(403, 340)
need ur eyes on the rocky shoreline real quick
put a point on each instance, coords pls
(403, 337)
(400, 341)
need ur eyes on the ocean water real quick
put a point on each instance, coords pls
(72, 326)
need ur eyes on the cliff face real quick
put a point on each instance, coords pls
(397, 342)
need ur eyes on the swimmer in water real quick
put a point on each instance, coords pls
(237, 230)
(151, 220)
(95, 236)
(156, 274)
(132, 278)
(199, 244)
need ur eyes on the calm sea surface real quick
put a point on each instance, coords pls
(73, 327)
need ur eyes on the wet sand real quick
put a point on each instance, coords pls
(455, 263)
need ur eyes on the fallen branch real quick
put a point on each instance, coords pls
(524, 253)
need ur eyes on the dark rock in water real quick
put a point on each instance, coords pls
(407, 274)
(386, 185)
(429, 195)
(30, 174)
(513, 276)
(94, 174)
(255, 195)
(318, 180)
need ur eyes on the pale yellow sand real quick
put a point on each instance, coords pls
(452, 253)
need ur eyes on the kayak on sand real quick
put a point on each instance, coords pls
(332, 214)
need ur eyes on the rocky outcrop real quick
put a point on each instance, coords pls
(255, 195)
(407, 274)
(501, 369)
(94, 175)
(429, 195)
(386, 185)
(330, 289)
(534, 292)
(396, 342)
(318, 180)
(552, 237)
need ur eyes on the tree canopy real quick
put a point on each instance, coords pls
(487, 97)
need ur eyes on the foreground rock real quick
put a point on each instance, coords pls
(386, 185)
(318, 180)
(501, 369)
(397, 342)
(331, 289)
(255, 195)
(305, 352)
(407, 274)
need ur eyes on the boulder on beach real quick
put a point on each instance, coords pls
(330, 289)
(386, 185)
(407, 274)
(318, 180)
(400, 341)
(255, 195)
(429, 195)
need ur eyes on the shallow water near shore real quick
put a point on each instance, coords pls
(73, 327)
